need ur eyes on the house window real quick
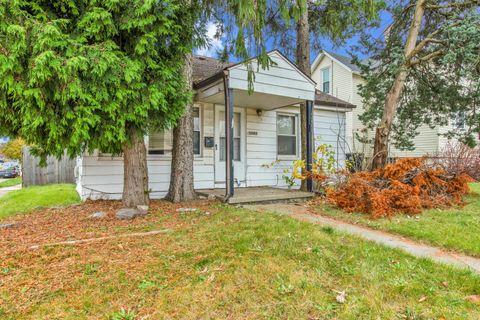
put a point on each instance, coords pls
(197, 148)
(459, 120)
(326, 80)
(287, 135)
(160, 142)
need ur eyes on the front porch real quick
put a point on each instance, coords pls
(257, 195)
(243, 148)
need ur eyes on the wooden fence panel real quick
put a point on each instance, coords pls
(56, 171)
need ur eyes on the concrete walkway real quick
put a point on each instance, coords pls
(302, 213)
(4, 191)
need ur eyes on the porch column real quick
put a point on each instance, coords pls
(229, 189)
(310, 146)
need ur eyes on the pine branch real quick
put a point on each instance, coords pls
(454, 5)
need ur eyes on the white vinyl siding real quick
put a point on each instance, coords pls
(281, 79)
(329, 129)
(101, 177)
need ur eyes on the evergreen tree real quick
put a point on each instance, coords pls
(84, 75)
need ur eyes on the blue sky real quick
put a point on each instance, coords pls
(385, 20)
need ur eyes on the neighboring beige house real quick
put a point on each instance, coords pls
(337, 75)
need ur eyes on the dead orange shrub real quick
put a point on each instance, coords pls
(407, 186)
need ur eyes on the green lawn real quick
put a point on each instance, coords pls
(456, 229)
(231, 264)
(10, 182)
(28, 199)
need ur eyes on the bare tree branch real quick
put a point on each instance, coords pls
(428, 57)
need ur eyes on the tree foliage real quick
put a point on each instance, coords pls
(13, 149)
(80, 74)
(408, 186)
(334, 20)
(443, 71)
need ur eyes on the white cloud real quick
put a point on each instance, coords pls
(215, 44)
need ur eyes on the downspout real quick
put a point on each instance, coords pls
(229, 179)
(310, 147)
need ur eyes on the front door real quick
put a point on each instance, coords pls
(238, 146)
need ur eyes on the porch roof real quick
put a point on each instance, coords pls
(279, 86)
(282, 84)
(325, 99)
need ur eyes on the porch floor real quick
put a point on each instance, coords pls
(257, 194)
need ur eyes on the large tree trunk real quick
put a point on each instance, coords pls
(135, 172)
(181, 179)
(303, 63)
(380, 150)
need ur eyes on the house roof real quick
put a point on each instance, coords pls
(206, 70)
(325, 99)
(345, 60)
(205, 67)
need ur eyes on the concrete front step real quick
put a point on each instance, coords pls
(250, 195)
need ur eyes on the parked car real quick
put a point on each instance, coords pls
(9, 170)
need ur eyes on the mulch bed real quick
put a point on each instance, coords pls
(29, 275)
(74, 222)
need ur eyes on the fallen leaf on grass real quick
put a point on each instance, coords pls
(211, 277)
(473, 298)
(341, 297)
(422, 299)
(445, 284)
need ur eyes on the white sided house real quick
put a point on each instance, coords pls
(338, 76)
(264, 128)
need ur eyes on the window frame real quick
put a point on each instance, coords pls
(200, 132)
(168, 155)
(322, 71)
(297, 136)
(459, 120)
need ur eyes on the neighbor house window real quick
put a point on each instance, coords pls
(326, 80)
(459, 120)
(287, 135)
(160, 142)
(196, 131)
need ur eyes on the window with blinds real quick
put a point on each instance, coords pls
(161, 142)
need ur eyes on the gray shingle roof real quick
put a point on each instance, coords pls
(325, 99)
(345, 60)
(205, 67)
